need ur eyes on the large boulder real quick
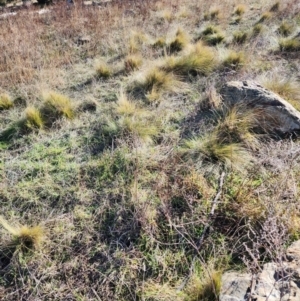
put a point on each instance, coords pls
(275, 113)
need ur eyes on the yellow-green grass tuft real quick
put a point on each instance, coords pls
(27, 238)
(240, 10)
(156, 80)
(240, 37)
(210, 29)
(289, 44)
(204, 287)
(265, 17)
(103, 70)
(212, 149)
(33, 118)
(5, 102)
(234, 60)
(257, 29)
(160, 43)
(285, 29)
(288, 88)
(180, 42)
(199, 60)
(137, 40)
(56, 106)
(214, 39)
(133, 62)
(124, 106)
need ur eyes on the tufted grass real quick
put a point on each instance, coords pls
(5, 102)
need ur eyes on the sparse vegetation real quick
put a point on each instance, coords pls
(111, 182)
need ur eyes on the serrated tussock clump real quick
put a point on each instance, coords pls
(240, 37)
(285, 29)
(56, 106)
(289, 44)
(234, 60)
(27, 238)
(102, 70)
(180, 42)
(199, 60)
(240, 10)
(133, 62)
(5, 102)
(33, 118)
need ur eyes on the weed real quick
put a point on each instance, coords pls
(289, 44)
(257, 29)
(180, 42)
(133, 62)
(285, 29)
(5, 102)
(200, 60)
(160, 43)
(55, 106)
(240, 37)
(240, 10)
(210, 29)
(210, 148)
(33, 118)
(27, 238)
(234, 60)
(124, 106)
(265, 17)
(102, 70)
(288, 88)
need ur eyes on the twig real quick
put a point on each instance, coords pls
(213, 208)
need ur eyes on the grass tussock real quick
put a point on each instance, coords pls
(204, 286)
(289, 44)
(275, 7)
(234, 60)
(27, 238)
(180, 42)
(199, 60)
(102, 70)
(213, 14)
(33, 118)
(160, 43)
(212, 35)
(56, 106)
(240, 9)
(285, 29)
(240, 37)
(5, 102)
(257, 29)
(133, 62)
(266, 16)
(287, 88)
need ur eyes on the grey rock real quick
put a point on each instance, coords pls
(276, 113)
(235, 286)
(293, 251)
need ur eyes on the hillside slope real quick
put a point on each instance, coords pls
(124, 175)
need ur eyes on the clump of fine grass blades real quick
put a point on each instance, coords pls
(133, 62)
(213, 14)
(33, 119)
(205, 287)
(240, 10)
(5, 102)
(289, 44)
(156, 81)
(240, 37)
(257, 29)
(27, 238)
(234, 60)
(265, 17)
(159, 43)
(56, 106)
(102, 70)
(212, 35)
(180, 42)
(288, 88)
(199, 60)
(285, 29)
(275, 7)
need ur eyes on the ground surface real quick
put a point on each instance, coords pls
(113, 140)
